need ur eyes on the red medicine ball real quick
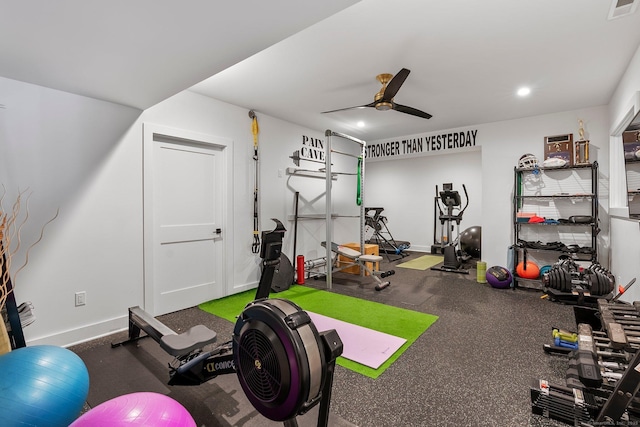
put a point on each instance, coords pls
(530, 271)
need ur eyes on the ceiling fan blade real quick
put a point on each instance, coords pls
(411, 110)
(373, 104)
(394, 84)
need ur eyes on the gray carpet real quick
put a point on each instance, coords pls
(412, 293)
(106, 369)
(473, 367)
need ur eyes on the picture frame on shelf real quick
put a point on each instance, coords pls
(559, 146)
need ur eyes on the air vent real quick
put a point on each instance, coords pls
(620, 8)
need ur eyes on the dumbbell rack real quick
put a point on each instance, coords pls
(603, 378)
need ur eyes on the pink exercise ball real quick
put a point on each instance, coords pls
(137, 409)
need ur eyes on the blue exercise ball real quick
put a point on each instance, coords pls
(42, 385)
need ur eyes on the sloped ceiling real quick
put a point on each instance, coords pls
(140, 52)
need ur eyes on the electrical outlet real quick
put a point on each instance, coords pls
(81, 298)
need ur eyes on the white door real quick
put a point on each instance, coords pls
(184, 219)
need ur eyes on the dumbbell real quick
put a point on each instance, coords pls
(387, 273)
(604, 280)
(558, 278)
(565, 344)
(564, 335)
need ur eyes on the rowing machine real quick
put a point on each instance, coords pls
(284, 365)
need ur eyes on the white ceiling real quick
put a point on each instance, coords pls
(466, 57)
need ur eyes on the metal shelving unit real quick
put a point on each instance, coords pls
(556, 194)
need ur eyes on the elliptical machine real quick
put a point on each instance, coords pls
(450, 199)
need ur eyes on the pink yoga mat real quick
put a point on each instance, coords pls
(362, 345)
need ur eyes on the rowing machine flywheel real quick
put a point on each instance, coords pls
(279, 358)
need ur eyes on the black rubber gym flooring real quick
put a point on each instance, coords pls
(473, 367)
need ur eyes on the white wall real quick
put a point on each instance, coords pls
(406, 188)
(84, 156)
(625, 233)
(65, 149)
(502, 144)
(280, 192)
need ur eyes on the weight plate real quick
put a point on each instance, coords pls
(602, 283)
(556, 279)
(594, 283)
(610, 283)
(552, 278)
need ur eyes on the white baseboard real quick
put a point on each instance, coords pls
(243, 287)
(419, 249)
(83, 333)
(101, 329)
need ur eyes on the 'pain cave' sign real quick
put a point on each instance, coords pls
(312, 148)
(443, 142)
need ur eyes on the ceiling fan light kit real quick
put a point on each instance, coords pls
(383, 100)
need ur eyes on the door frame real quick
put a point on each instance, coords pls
(150, 130)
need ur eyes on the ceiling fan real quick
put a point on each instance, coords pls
(383, 100)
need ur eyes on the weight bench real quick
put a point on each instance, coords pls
(361, 260)
(177, 345)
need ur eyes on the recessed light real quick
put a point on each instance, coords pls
(524, 91)
(360, 124)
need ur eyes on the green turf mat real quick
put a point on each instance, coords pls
(423, 262)
(396, 321)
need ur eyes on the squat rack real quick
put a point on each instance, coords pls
(329, 173)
